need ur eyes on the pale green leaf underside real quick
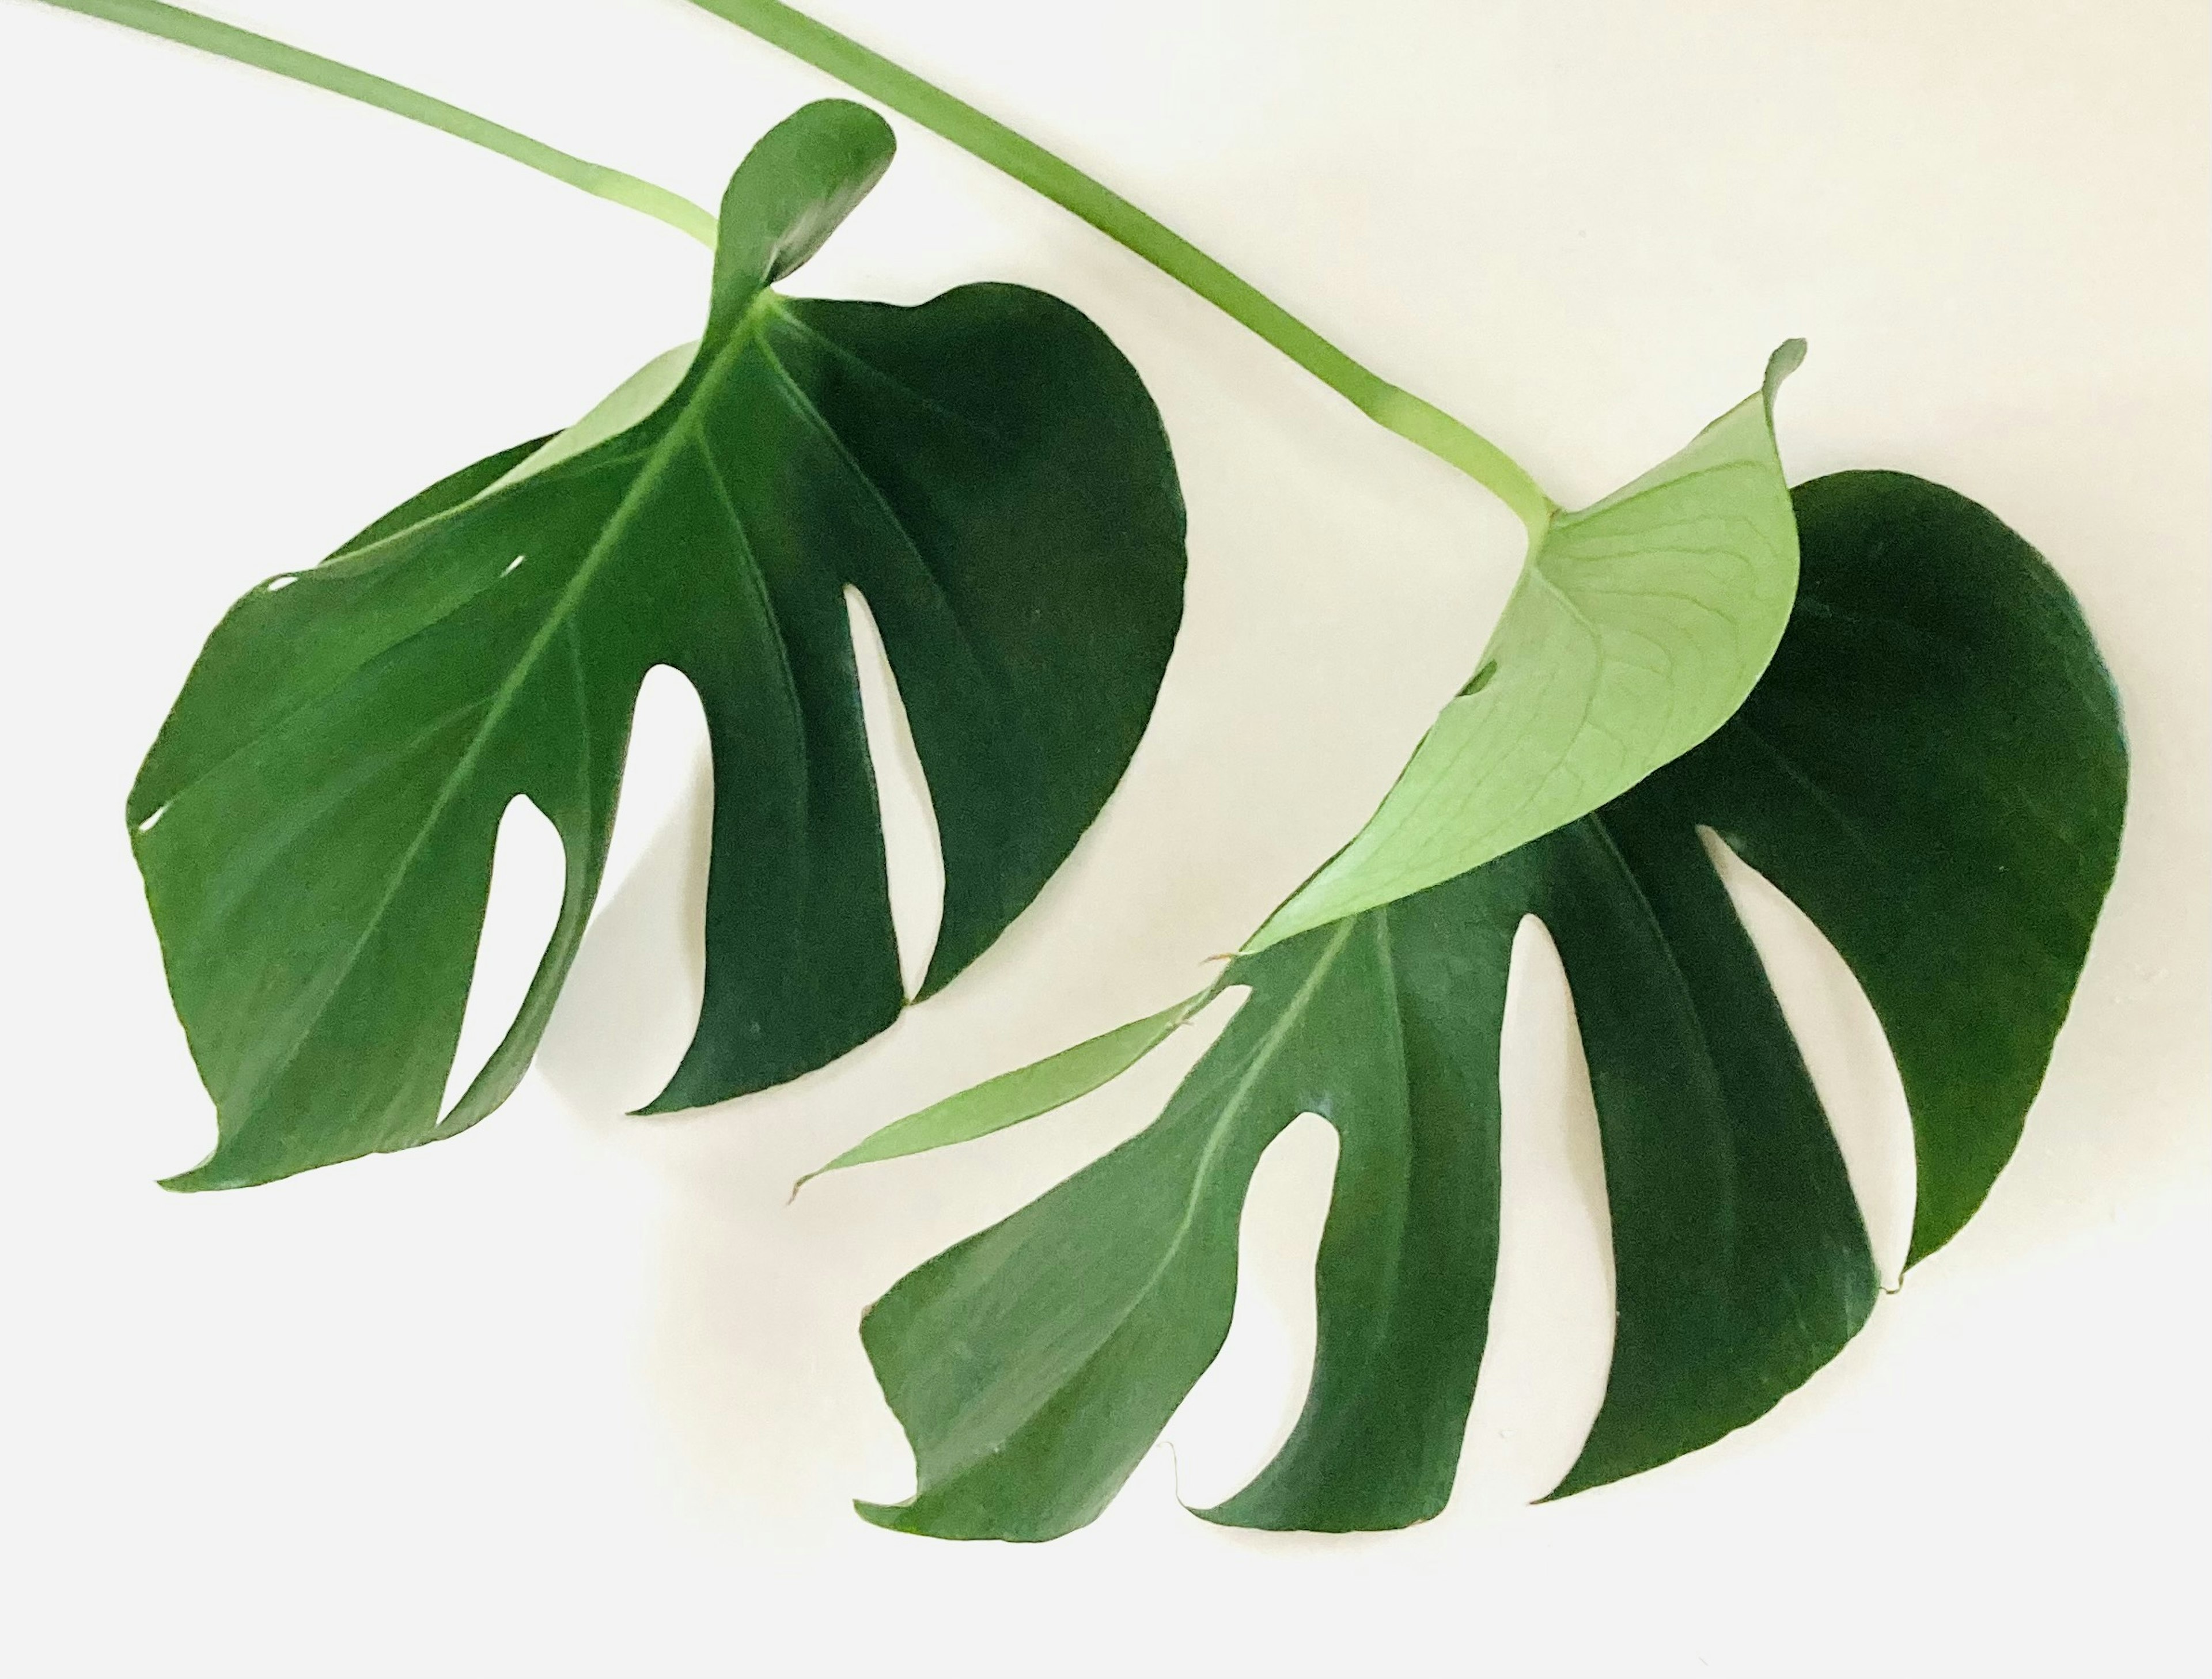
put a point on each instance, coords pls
(629, 404)
(1636, 628)
(1023, 1093)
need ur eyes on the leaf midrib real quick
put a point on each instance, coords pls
(681, 429)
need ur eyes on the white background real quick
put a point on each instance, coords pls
(578, 1393)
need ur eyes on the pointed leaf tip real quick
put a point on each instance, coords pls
(1789, 356)
(1023, 1094)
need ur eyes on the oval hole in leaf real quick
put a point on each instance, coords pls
(914, 857)
(1234, 1421)
(1550, 1311)
(1845, 1052)
(528, 871)
(632, 1000)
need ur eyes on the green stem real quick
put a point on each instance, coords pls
(226, 41)
(1419, 422)
(1069, 187)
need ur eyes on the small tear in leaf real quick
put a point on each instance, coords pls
(147, 827)
(514, 563)
(277, 583)
(1480, 679)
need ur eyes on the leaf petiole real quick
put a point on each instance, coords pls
(243, 47)
(1418, 421)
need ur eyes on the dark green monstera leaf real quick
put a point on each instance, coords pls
(315, 823)
(1933, 768)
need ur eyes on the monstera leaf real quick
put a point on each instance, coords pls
(1933, 768)
(315, 822)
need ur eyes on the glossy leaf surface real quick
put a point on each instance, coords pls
(1636, 628)
(315, 823)
(1933, 769)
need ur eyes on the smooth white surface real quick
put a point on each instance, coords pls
(578, 1393)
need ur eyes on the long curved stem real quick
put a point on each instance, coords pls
(870, 73)
(227, 41)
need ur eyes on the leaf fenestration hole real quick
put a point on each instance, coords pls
(529, 870)
(277, 583)
(1242, 1411)
(1845, 1051)
(632, 1001)
(1552, 1313)
(146, 825)
(512, 563)
(912, 851)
